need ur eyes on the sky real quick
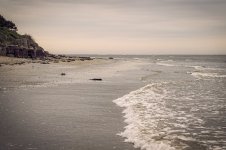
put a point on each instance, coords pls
(122, 26)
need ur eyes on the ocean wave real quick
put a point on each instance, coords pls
(165, 64)
(139, 131)
(150, 124)
(155, 122)
(38, 85)
(204, 68)
(207, 75)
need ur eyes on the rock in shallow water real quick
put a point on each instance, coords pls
(96, 79)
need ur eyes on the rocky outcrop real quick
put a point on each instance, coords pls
(2, 50)
(96, 79)
(15, 45)
(22, 52)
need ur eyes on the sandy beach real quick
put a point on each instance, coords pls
(41, 109)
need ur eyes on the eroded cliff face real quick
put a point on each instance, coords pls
(23, 47)
(15, 45)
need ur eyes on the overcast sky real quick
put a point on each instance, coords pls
(122, 26)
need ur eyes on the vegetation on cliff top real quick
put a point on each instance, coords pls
(7, 24)
(9, 35)
(14, 44)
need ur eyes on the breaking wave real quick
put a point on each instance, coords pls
(167, 63)
(151, 125)
(208, 75)
(205, 68)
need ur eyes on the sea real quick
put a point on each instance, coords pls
(169, 102)
(181, 107)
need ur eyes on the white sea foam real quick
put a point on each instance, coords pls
(139, 131)
(38, 85)
(165, 64)
(205, 68)
(208, 75)
(151, 125)
(144, 112)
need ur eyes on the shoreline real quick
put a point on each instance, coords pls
(5, 60)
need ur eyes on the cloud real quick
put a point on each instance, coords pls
(128, 20)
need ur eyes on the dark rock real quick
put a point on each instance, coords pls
(71, 59)
(63, 74)
(21, 52)
(46, 52)
(10, 49)
(85, 58)
(96, 79)
(24, 53)
(2, 51)
(31, 53)
(40, 53)
(54, 56)
(61, 55)
(110, 58)
(10, 55)
(44, 62)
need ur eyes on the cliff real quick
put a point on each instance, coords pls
(15, 45)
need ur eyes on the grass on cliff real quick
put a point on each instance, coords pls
(8, 36)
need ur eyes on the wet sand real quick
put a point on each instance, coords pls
(40, 109)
